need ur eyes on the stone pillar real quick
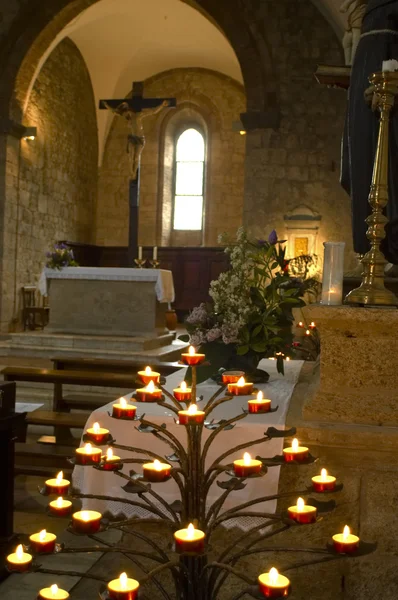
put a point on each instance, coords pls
(359, 365)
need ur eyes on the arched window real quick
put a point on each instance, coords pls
(189, 180)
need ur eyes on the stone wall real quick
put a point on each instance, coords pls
(206, 98)
(56, 182)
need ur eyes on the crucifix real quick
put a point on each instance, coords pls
(135, 110)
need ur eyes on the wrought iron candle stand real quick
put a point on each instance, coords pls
(194, 575)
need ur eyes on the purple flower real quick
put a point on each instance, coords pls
(213, 334)
(198, 315)
(273, 237)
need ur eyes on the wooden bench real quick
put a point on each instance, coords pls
(111, 366)
(34, 459)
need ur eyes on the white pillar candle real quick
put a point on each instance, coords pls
(139, 252)
(333, 270)
(155, 253)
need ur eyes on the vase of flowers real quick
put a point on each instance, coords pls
(61, 256)
(250, 315)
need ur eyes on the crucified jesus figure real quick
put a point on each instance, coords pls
(136, 138)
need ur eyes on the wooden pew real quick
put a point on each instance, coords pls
(111, 366)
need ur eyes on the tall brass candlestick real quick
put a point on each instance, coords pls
(372, 290)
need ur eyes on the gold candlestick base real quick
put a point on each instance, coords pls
(154, 263)
(140, 262)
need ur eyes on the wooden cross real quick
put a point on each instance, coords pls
(134, 109)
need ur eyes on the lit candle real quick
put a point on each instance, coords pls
(190, 540)
(192, 416)
(123, 588)
(183, 393)
(300, 324)
(19, 561)
(43, 542)
(148, 375)
(53, 593)
(312, 325)
(110, 462)
(260, 405)
(60, 507)
(274, 585)
(149, 393)
(192, 357)
(86, 521)
(307, 332)
(323, 482)
(58, 486)
(247, 466)
(88, 455)
(346, 542)
(123, 410)
(156, 471)
(240, 388)
(301, 513)
(232, 376)
(98, 435)
(155, 253)
(139, 252)
(295, 452)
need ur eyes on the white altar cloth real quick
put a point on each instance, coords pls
(279, 389)
(163, 279)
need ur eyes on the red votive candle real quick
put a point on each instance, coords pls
(295, 452)
(274, 585)
(232, 376)
(149, 393)
(190, 540)
(323, 482)
(110, 462)
(183, 393)
(53, 593)
(148, 375)
(247, 466)
(259, 405)
(123, 410)
(88, 455)
(192, 358)
(43, 542)
(58, 486)
(240, 388)
(86, 521)
(156, 471)
(97, 435)
(60, 507)
(123, 588)
(19, 561)
(192, 416)
(301, 513)
(346, 542)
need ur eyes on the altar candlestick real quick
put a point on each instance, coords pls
(58, 486)
(156, 471)
(43, 542)
(86, 521)
(240, 388)
(302, 513)
(274, 585)
(97, 435)
(60, 507)
(190, 540)
(88, 455)
(123, 410)
(19, 561)
(323, 482)
(53, 593)
(192, 416)
(149, 393)
(123, 588)
(232, 376)
(148, 375)
(192, 358)
(260, 404)
(296, 452)
(183, 393)
(111, 462)
(346, 542)
(247, 466)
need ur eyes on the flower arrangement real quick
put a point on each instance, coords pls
(250, 314)
(61, 256)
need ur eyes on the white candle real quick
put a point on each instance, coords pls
(389, 65)
(333, 268)
(139, 252)
(155, 253)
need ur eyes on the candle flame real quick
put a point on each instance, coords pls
(300, 324)
(260, 395)
(190, 531)
(241, 382)
(300, 505)
(85, 516)
(308, 332)
(42, 535)
(295, 445)
(273, 576)
(96, 427)
(88, 449)
(60, 502)
(192, 410)
(346, 532)
(148, 371)
(123, 581)
(157, 465)
(150, 387)
(247, 459)
(19, 552)
(60, 477)
(287, 357)
(183, 386)
(109, 454)
(312, 324)
(191, 351)
(324, 474)
(54, 589)
(123, 402)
